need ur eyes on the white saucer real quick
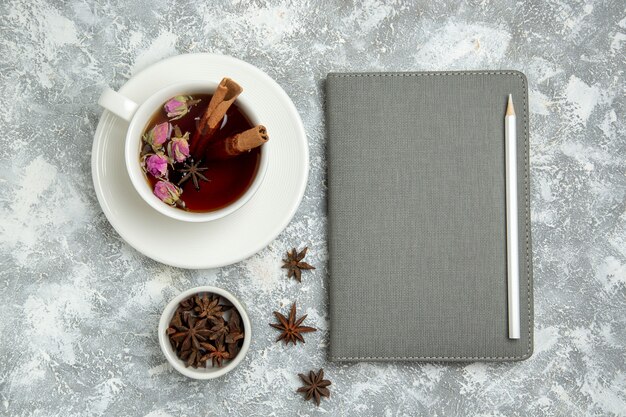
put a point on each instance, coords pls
(236, 236)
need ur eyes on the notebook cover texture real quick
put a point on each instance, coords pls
(417, 216)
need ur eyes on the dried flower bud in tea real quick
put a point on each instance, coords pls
(178, 148)
(156, 165)
(158, 135)
(167, 192)
(178, 106)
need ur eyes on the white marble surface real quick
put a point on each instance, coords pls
(79, 308)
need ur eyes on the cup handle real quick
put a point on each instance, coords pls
(118, 104)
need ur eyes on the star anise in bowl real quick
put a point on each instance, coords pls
(205, 331)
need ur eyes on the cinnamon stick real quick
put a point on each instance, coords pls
(237, 144)
(225, 94)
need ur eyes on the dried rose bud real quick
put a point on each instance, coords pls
(156, 165)
(178, 148)
(158, 135)
(167, 192)
(179, 106)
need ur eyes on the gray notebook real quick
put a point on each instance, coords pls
(417, 216)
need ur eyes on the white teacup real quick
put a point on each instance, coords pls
(138, 116)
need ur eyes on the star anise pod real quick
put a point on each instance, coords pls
(185, 309)
(208, 307)
(216, 353)
(234, 325)
(192, 170)
(192, 357)
(314, 386)
(294, 264)
(219, 331)
(187, 304)
(191, 335)
(290, 327)
(233, 349)
(182, 315)
(235, 337)
(175, 324)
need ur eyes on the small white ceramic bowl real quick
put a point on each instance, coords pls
(208, 372)
(138, 116)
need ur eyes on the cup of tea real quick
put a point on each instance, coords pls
(191, 156)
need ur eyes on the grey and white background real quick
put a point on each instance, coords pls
(79, 307)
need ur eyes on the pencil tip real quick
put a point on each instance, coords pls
(510, 110)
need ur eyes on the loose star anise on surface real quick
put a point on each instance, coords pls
(192, 170)
(290, 327)
(200, 327)
(294, 264)
(216, 353)
(314, 386)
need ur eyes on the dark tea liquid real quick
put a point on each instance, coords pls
(229, 178)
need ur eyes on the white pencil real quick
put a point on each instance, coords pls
(512, 254)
